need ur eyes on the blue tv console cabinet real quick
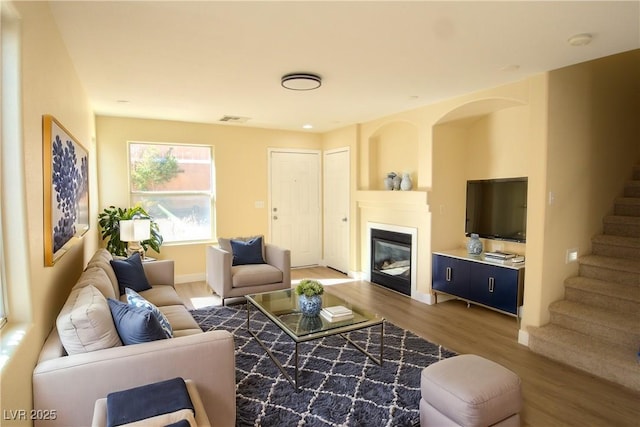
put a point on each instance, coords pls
(497, 285)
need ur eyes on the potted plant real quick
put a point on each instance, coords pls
(109, 221)
(309, 299)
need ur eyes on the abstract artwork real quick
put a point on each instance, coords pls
(66, 189)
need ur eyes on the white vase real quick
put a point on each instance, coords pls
(406, 183)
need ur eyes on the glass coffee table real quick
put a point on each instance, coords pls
(281, 308)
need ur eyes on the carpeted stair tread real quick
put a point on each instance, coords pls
(607, 239)
(616, 246)
(628, 200)
(611, 263)
(597, 357)
(622, 225)
(632, 188)
(633, 201)
(604, 288)
(622, 219)
(612, 320)
(627, 206)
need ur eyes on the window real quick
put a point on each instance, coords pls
(3, 281)
(10, 142)
(3, 316)
(174, 183)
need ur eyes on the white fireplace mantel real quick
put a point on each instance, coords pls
(409, 198)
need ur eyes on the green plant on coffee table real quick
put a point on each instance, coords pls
(109, 221)
(309, 288)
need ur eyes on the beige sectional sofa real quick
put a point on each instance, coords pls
(81, 360)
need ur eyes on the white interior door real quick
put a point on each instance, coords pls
(336, 209)
(295, 204)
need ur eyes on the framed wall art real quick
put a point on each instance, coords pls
(66, 189)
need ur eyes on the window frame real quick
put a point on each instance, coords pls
(9, 76)
(3, 278)
(211, 194)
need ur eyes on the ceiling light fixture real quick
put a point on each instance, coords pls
(580, 39)
(301, 81)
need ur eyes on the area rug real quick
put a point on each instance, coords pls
(339, 386)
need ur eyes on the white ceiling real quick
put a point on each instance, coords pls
(199, 61)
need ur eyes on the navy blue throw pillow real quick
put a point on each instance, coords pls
(249, 252)
(130, 273)
(135, 325)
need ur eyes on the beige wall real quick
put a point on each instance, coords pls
(49, 86)
(241, 164)
(393, 148)
(593, 141)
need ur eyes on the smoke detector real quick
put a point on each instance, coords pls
(580, 39)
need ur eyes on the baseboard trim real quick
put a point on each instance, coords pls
(523, 337)
(358, 275)
(188, 278)
(424, 298)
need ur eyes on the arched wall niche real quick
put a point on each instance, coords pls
(392, 148)
(470, 112)
(481, 139)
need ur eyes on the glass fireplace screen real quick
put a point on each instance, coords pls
(391, 258)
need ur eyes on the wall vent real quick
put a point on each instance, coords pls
(234, 119)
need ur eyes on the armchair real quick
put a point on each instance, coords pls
(228, 280)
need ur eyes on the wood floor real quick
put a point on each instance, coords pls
(554, 394)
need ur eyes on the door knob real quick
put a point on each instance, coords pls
(275, 217)
(344, 219)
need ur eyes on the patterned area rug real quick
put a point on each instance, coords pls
(339, 386)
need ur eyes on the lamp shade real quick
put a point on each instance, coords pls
(135, 230)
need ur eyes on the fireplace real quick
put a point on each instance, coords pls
(391, 260)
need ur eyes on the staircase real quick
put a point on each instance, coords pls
(596, 327)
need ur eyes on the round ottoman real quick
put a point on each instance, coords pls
(469, 390)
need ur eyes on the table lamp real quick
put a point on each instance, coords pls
(133, 232)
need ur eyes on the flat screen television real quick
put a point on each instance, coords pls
(497, 209)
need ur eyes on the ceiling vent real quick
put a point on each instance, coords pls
(234, 119)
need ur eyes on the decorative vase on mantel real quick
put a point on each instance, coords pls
(406, 183)
(388, 181)
(474, 244)
(397, 182)
(310, 306)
